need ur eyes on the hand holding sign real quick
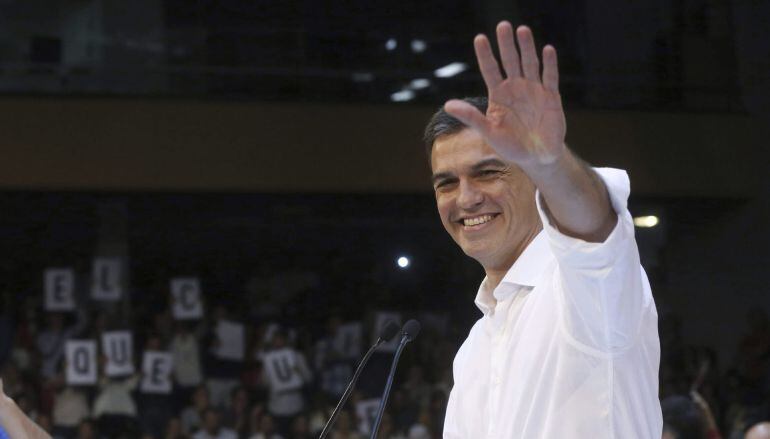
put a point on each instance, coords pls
(117, 347)
(186, 298)
(59, 286)
(81, 362)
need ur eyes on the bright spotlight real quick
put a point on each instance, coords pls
(450, 70)
(403, 262)
(646, 221)
(391, 44)
(419, 46)
(402, 96)
(419, 84)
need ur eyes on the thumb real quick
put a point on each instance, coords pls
(468, 115)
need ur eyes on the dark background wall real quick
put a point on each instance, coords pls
(161, 144)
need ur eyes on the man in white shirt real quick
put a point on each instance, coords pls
(567, 346)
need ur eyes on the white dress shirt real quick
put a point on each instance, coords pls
(568, 343)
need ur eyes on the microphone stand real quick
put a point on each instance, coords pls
(349, 390)
(404, 340)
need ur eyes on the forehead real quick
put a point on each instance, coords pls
(455, 152)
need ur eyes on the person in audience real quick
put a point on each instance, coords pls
(300, 428)
(388, 429)
(87, 429)
(236, 416)
(114, 408)
(332, 368)
(285, 404)
(154, 409)
(174, 429)
(212, 427)
(417, 389)
(222, 374)
(682, 419)
(185, 352)
(192, 415)
(69, 409)
(51, 341)
(345, 427)
(265, 428)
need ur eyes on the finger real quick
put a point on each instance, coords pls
(467, 114)
(508, 53)
(550, 69)
(530, 65)
(490, 71)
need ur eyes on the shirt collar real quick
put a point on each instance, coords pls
(525, 272)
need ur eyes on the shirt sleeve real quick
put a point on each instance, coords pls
(602, 288)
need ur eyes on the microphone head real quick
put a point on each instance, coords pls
(388, 330)
(411, 329)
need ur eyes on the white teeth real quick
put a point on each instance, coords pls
(478, 220)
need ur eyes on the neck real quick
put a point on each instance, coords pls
(496, 272)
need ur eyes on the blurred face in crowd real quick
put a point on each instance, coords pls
(201, 398)
(85, 430)
(486, 204)
(173, 427)
(211, 422)
(240, 400)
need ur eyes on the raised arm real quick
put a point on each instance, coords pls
(525, 125)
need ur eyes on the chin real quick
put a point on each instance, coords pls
(477, 252)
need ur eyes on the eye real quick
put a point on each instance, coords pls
(489, 172)
(443, 184)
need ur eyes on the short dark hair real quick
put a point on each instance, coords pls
(443, 124)
(682, 417)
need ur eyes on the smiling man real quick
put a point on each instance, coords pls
(567, 346)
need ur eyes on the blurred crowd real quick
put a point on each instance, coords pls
(212, 396)
(702, 395)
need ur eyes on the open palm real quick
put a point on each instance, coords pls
(524, 121)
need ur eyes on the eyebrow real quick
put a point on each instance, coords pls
(476, 166)
(488, 162)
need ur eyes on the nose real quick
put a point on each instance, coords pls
(470, 195)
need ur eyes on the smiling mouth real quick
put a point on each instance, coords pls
(477, 220)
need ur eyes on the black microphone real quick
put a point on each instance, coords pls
(387, 332)
(408, 333)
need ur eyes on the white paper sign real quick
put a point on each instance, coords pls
(118, 347)
(366, 412)
(379, 322)
(186, 294)
(59, 285)
(231, 340)
(81, 362)
(281, 370)
(347, 340)
(106, 279)
(156, 372)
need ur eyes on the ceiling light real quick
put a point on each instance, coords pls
(450, 70)
(419, 46)
(419, 84)
(646, 221)
(402, 96)
(391, 44)
(403, 262)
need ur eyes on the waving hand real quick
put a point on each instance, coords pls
(524, 122)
